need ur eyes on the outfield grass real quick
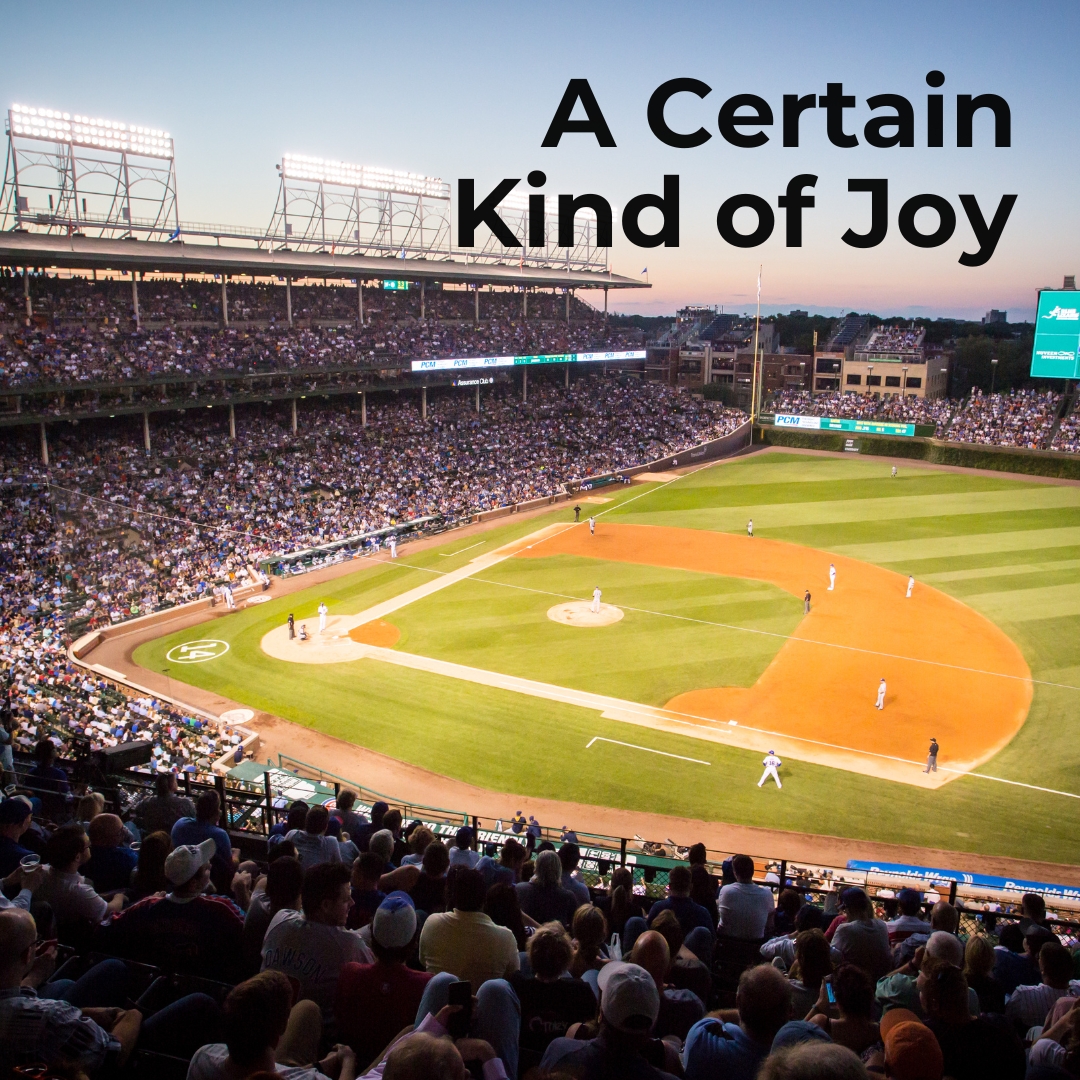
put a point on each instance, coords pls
(1010, 549)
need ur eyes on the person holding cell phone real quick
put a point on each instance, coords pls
(844, 1009)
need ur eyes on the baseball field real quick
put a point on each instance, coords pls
(480, 660)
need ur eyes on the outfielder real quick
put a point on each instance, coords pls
(894, 472)
(750, 528)
(323, 609)
(832, 577)
(910, 585)
(880, 703)
(594, 607)
(592, 526)
(771, 763)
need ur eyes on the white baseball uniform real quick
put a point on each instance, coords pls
(894, 470)
(880, 703)
(592, 526)
(771, 763)
(910, 586)
(750, 527)
(595, 607)
(393, 547)
(227, 593)
(832, 577)
(323, 609)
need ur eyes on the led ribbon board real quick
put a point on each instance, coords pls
(455, 363)
(828, 423)
(1056, 352)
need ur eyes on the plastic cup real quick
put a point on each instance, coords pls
(30, 862)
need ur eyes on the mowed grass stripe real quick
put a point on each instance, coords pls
(961, 545)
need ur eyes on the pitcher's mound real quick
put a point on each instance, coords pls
(579, 613)
(379, 633)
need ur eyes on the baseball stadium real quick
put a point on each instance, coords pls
(328, 519)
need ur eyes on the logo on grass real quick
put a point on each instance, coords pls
(197, 652)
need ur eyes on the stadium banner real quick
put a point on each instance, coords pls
(1056, 351)
(985, 881)
(829, 423)
(454, 363)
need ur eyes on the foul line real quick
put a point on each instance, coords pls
(647, 749)
(460, 551)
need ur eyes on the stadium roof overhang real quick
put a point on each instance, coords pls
(94, 253)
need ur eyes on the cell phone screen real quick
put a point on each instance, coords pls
(829, 990)
(460, 994)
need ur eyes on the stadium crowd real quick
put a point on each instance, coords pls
(354, 945)
(1019, 418)
(894, 339)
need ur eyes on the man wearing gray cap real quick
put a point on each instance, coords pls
(629, 1005)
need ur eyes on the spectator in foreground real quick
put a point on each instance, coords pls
(502, 908)
(162, 810)
(569, 859)
(542, 897)
(184, 931)
(366, 894)
(621, 903)
(419, 839)
(900, 988)
(266, 1034)
(735, 1050)
(589, 930)
(507, 871)
(680, 1009)
(312, 945)
(279, 891)
(863, 939)
(149, 876)
(16, 815)
(816, 1061)
(811, 964)
(979, 972)
(1013, 964)
(463, 940)
(429, 892)
(71, 897)
(376, 1001)
(111, 861)
(204, 826)
(351, 821)
(462, 854)
(852, 1026)
(629, 1004)
(692, 917)
(746, 909)
(1028, 1005)
(312, 844)
(910, 920)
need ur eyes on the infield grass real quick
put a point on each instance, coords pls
(1008, 548)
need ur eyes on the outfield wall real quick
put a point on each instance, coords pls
(935, 451)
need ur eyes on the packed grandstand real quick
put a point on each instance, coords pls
(211, 934)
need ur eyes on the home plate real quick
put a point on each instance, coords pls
(580, 613)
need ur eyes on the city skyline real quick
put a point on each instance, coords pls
(470, 92)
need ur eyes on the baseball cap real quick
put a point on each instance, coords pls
(627, 992)
(14, 811)
(464, 833)
(913, 1053)
(849, 894)
(184, 862)
(892, 1017)
(909, 896)
(798, 1031)
(394, 924)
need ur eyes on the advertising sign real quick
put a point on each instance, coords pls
(1056, 353)
(828, 423)
(452, 363)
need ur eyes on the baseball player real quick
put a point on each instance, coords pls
(577, 514)
(595, 606)
(894, 472)
(806, 603)
(292, 626)
(771, 763)
(323, 609)
(226, 592)
(910, 585)
(592, 526)
(931, 757)
(750, 528)
(880, 703)
(832, 577)
(393, 547)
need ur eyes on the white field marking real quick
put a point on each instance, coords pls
(451, 554)
(648, 750)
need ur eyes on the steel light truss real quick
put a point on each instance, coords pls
(70, 173)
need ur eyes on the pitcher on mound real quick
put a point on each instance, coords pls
(594, 607)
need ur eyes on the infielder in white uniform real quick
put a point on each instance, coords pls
(894, 472)
(750, 527)
(880, 703)
(595, 606)
(227, 593)
(910, 585)
(323, 609)
(832, 577)
(592, 526)
(771, 763)
(393, 547)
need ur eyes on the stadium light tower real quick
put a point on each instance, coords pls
(70, 173)
(335, 207)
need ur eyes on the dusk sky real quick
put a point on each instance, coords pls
(468, 90)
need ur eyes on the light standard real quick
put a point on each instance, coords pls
(993, 373)
(903, 381)
(869, 373)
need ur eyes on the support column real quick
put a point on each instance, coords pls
(423, 402)
(566, 382)
(525, 302)
(567, 307)
(135, 299)
(363, 408)
(360, 299)
(44, 445)
(26, 293)
(524, 385)
(476, 304)
(477, 397)
(224, 302)
(294, 416)
(605, 303)
(288, 298)
(232, 421)
(423, 309)
(146, 431)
